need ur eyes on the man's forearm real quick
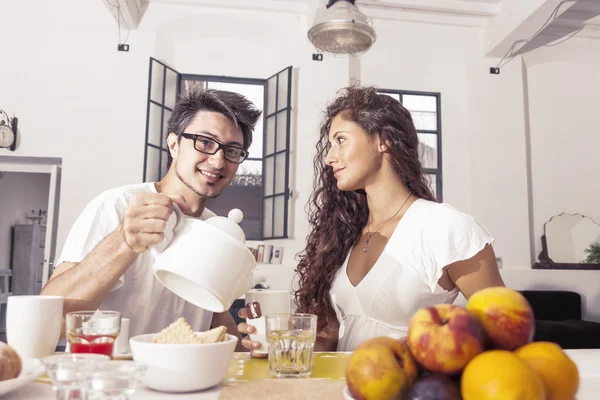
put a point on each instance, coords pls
(85, 285)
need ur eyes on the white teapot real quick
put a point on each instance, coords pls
(207, 262)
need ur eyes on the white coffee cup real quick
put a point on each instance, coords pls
(270, 302)
(122, 342)
(33, 324)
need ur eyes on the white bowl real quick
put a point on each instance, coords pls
(182, 367)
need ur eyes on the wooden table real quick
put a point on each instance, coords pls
(251, 377)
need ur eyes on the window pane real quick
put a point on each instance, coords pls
(424, 120)
(268, 218)
(428, 150)
(165, 132)
(163, 163)
(171, 89)
(282, 91)
(419, 103)
(433, 183)
(271, 94)
(152, 165)
(256, 94)
(268, 176)
(188, 84)
(270, 135)
(280, 173)
(249, 173)
(154, 124)
(279, 215)
(392, 95)
(282, 130)
(158, 79)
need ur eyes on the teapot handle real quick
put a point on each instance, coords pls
(179, 216)
(157, 249)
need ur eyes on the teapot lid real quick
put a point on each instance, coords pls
(230, 224)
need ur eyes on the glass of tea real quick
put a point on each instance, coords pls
(93, 331)
(291, 339)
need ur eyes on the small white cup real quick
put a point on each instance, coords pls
(122, 342)
(270, 302)
(33, 324)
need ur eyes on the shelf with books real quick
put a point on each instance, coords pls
(267, 254)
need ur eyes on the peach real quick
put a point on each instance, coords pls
(380, 368)
(444, 338)
(506, 316)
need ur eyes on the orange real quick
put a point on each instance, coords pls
(500, 375)
(558, 372)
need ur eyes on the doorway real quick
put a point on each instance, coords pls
(29, 203)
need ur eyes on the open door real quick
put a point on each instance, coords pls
(52, 224)
(163, 89)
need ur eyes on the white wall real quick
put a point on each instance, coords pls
(20, 192)
(564, 83)
(76, 97)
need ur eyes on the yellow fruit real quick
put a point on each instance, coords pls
(380, 368)
(500, 375)
(506, 316)
(558, 372)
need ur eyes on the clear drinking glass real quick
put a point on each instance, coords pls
(68, 373)
(291, 339)
(114, 380)
(93, 331)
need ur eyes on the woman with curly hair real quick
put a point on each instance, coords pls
(381, 247)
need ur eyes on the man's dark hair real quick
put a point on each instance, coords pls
(237, 108)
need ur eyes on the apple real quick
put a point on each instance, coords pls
(506, 316)
(434, 387)
(444, 338)
(380, 368)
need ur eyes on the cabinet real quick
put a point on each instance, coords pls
(28, 259)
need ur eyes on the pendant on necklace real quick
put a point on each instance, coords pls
(367, 244)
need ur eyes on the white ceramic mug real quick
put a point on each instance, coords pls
(205, 265)
(270, 302)
(122, 343)
(33, 324)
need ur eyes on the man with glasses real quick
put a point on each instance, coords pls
(105, 262)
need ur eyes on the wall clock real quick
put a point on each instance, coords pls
(8, 131)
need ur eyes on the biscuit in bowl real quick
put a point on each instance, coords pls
(180, 332)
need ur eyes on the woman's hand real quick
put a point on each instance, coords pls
(246, 329)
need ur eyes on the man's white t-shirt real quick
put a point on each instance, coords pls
(138, 295)
(429, 237)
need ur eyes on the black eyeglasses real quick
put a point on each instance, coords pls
(207, 145)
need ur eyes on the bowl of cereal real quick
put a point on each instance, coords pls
(180, 360)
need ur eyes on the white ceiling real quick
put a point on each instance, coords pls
(503, 21)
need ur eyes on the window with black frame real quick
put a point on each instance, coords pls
(424, 108)
(261, 185)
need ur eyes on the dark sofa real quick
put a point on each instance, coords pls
(558, 318)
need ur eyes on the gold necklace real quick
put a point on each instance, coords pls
(369, 234)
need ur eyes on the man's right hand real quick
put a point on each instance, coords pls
(146, 218)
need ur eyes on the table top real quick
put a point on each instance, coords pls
(248, 374)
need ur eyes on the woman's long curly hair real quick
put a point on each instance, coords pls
(337, 218)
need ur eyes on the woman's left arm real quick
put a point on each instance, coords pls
(475, 273)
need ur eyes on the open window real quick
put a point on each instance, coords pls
(261, 186)
(425, 109)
